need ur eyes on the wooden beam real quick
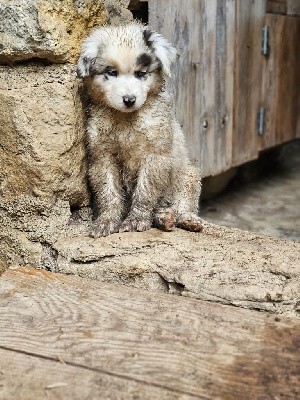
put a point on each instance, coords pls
(192, 347)
(28, 377)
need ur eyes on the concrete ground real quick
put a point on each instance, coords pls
(270, 203)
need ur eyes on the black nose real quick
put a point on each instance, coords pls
(129, 100)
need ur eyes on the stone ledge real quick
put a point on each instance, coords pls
(223, 265)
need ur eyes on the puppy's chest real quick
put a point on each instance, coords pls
(132, 138)
(139, 137)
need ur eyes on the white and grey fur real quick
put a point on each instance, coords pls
(139, 168)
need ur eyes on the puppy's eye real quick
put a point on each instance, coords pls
(111, 71)
(140, 74)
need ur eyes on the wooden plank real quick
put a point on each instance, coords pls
(203, 32)
(293, 7)
(285, 7)
(280, 87)
(288, 94)
(248, 65)
(193, 347)
(276, 6)
(27, 377)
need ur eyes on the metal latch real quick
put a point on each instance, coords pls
(265, 45)
(261, 121)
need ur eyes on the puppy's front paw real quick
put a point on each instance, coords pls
(164, 219)
(102, 228)
(190, 222)
(135, 224)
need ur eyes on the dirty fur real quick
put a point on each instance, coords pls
(139, 168)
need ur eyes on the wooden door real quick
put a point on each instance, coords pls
(280, 88)
(247, 79)
(221, 79)
(204, 33)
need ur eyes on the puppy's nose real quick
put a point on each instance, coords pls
(129, 100)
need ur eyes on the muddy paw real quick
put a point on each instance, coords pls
(102, 228)
(164, 219)
(133, 224)
(190, 222)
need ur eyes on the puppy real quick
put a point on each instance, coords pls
(139, 169)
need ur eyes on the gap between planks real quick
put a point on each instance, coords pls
(26, 376)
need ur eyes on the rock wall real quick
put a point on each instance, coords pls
(41, 143)
(53, 29)
(42, 150)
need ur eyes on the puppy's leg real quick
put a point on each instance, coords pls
(153, 178)
(187, 189)
(108, 196)
(164, 219)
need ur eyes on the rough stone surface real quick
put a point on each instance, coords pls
(42, 148)
(16, 249)
(224, 265)
(220, 264)
(29, 226)
(53, 29)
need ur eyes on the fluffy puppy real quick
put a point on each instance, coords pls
(139, 169)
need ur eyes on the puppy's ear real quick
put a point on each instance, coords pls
(90, 50)
(84, 66)
(163, 50)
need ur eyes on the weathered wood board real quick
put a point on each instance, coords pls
(289, 7)
(293, 7)
(276, 6)
(189, 347)
(204, 33)
(30, 377)
(282, 75)
(221, 79)
(280, 89)
(248, 65)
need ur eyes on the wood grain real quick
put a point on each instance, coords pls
(202, 82)
(276, 6)
(248, 65)
(28, 377)
(221, 78)
(289, 7)
(191, 347)
(286, 113)
(280, 89)
(293, 7)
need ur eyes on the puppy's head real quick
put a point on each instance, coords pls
(124, 64)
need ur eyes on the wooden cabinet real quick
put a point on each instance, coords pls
(232, 100)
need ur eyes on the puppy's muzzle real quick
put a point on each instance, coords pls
(129, 100)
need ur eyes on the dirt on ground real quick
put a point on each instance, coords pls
(269, 203)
